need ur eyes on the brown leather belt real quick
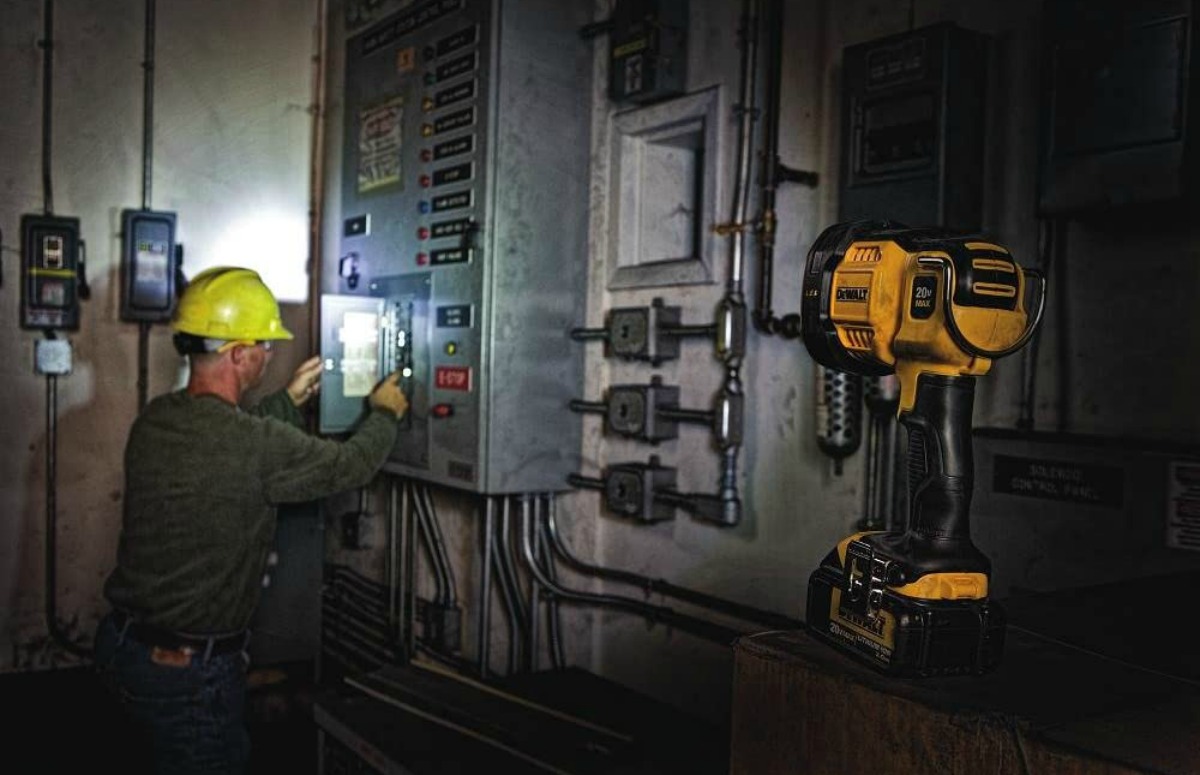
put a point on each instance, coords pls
(158, 637)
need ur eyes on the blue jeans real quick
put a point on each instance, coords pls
(193, 717)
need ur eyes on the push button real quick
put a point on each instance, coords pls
(442, 411)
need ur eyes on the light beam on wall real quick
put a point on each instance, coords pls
(273, 244)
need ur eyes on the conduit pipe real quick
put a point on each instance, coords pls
(654, 613)
(773, 172)
(666, 588)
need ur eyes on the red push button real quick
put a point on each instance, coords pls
(422, 233)
(426, 154)
(426, 181)
(442, 411)
(422, 259)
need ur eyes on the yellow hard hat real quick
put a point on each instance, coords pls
(229, 303)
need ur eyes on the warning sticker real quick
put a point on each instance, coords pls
(1183, 505)
(379, 144)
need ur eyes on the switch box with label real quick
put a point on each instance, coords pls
(149, 265)
(50, 279)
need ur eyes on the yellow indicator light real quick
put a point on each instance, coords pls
(451, 348)
(426, 130)
(427, 104)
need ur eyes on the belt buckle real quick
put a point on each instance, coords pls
(180, 657)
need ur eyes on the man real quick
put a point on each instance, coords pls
(202, 479)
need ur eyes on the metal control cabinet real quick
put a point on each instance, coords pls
(913, 128)
(463, 228)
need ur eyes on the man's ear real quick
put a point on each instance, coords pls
(238, 355)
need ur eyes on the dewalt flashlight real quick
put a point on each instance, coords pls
(936, 308)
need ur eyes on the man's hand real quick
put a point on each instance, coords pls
(306, 382)
(388, 395)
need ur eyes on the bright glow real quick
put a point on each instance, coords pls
(273, 244)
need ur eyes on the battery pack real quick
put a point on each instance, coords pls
(905, 636)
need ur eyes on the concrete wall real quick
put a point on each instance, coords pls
(232, 149)
(1123, 379)
(231, 157)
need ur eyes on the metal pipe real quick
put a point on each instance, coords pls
(764, 315)
(698, 416)
(508, 567)
(316, 164)
(483, 620)
(47, 46)
(510, 608)
(666, 588)
(747, 115)
(654, 613)
(731, 513)
(534, 594)
(587, 334)
(439, 572)
(553, 615)
(510, 585)
(394, 561)
(409, 613)
(52, 521)
(586, 482)
(1062, 327)
(148, 110)
(440, 542)
(143, 372)
(694, 329)
(1029, 358)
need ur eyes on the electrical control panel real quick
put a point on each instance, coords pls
(648, 50)
(913, 128)
(1118, 117)
(148, 265)
(51, 257)
(462, 238)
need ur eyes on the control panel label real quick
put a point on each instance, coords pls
(455, 174)
(457, 40)
(455, 201)
(457, 66)
(450, 228)
(458, 93)
(455, 316)
(450, 256)
(1057, 480)
(455, 147)
(407, 22)
(898, 63)
(452, 378)
(456, 120)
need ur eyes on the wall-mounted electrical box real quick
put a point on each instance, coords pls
(647, 50)
(1119, 99)
(913, 128)
(463, 212)
(1055, 511)
(50, 272)
(148, 265)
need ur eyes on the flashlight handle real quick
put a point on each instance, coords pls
(940, 460)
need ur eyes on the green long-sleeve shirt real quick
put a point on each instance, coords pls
(202, 480)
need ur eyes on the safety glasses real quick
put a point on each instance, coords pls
(266, 344)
